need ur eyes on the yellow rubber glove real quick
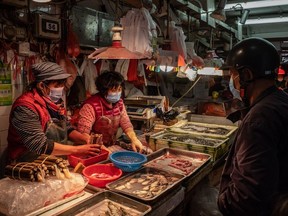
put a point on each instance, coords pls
(135, 142)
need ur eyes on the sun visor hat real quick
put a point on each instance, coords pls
(48, 71)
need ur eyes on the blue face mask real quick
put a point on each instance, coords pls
(235, 92)
(113, 97)
(56, 94)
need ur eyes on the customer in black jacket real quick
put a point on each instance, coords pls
(256, 173)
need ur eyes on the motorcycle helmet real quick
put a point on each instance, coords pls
(256, 54)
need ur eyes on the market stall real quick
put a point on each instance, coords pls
(163, 185)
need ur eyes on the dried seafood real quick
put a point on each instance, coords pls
(44, 166)
(191, 139)
(147, 185)
(109, 208)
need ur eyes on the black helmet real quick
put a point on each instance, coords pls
(256, 54)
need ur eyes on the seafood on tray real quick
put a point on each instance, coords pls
(183, 165)
(109, 208)
(147, 185)
(191, 139)
(204, 129)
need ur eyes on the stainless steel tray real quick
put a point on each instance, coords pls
(147, 184)
(164, 158)
(99, 204)
(55, 208)
(204, 129)
(191, 142)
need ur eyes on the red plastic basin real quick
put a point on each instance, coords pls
(74, 159)
(109, 170)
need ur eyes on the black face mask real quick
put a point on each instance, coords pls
(243, 95)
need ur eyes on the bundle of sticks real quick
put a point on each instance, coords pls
(41, 168)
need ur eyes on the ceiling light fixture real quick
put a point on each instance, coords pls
(219, 12)
(116, 51)
(266, 20)
(244, 17)
(259, 4)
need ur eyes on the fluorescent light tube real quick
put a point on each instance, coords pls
(210, 71)
(258, 4)
(266, 20)
(41, 1)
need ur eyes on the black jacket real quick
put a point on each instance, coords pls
(256, 170)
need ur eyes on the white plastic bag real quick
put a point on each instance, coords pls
(23, 197)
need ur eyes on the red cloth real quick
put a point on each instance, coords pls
(132, 70)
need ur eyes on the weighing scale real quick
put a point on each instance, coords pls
(142, 112)
(141, 108)
(143, 101)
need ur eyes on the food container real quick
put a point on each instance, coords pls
(101, 174)
(212, 146)
(204, 129)
(102, 203)
(147, 184)
(128, 161)
(74, 159)
(178, 161)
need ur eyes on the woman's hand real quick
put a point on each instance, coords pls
(105, 148)
(135, 142)
(136, 145)
(86, 138)
(88, 149)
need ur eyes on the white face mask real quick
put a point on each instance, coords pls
(56, 94)
(235, 92)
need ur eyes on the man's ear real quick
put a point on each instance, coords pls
(247, 75)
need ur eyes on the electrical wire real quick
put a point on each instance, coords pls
(195, 82)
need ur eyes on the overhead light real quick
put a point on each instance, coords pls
(259, 4)
(245, 14)
(41, 1)
(116, 51)
(166, 68)
(266, 20)
(210, 71)
(219, 13)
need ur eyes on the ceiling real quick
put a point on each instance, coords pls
(193, 16)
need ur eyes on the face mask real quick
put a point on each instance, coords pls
(56, 94)
(235, 92)
(113, 97)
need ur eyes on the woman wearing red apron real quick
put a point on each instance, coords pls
(37, 123)
(104, 112)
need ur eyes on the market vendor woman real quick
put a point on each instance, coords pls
(37, 123)
(104, 112)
